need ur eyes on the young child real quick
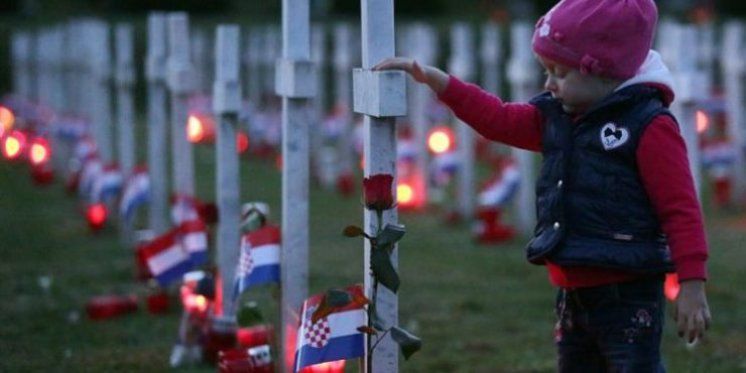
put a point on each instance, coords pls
(615, 198)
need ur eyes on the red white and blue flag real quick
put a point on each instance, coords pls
(183, 209)
(90, 171)
(194, 241)
(166, 258)
(136, 193)
(107, 184)
(259, 262)
(333, 337)
(500, 189)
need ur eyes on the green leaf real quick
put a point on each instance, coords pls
(390, 235)
(408, 342)
(337, 298)
(249, 315)
(353, 231)
(380, 263)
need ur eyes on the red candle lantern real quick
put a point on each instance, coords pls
(96, 216)
(42, 174)
(13, 145)
(255, 359)
(328, 367)
(7, 119)
(158, 303)
(39, 151)
(200, 129)
(254, 336)
(242, 142)
(108, 306)
(440, 140)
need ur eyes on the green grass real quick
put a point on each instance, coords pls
(477, 308)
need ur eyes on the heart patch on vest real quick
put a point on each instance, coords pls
(613, 136)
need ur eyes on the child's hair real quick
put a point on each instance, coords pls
(608, 38)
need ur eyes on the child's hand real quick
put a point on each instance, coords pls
(691, 312)
(433, 77)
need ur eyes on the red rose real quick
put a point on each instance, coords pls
(377, 192)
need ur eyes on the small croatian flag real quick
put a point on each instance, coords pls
(166, 258)
(108, 184)
(194, 240)
(502, 188)
(259, 262)
(331, 338)
(136, 193)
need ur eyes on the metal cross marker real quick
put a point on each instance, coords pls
(157, 123)
(295, 84)
(523, 79)
(380, 96)
(180, 77)
(227, 103)
(462, 64)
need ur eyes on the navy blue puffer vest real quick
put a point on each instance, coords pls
(592, 208)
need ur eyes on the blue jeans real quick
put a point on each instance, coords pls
(611, 328)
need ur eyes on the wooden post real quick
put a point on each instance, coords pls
(461, 64)
(690, 84)
(21, 53)
(155, 73)
(523, 79)
(253, 61)
(380, 96)
(100, 95)
(226, 94)
(295, 83)
(201, 59)
(319, 151)
(734, 71)
(343, 40)
(423, 42)
(125, 81)
(124, 76)
(181, 84)
(42, 61)
(491, 54)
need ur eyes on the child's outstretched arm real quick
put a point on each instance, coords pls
(515, 124)
(435, 78)
(691, 312)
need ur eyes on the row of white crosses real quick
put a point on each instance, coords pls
(733, 73)
(678, 46)
(523, 78)
(462, 65)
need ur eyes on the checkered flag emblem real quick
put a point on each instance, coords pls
(246, 262)
(317, 334)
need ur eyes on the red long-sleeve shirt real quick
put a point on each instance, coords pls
(661, 159)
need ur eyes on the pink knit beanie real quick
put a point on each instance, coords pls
(608, 38)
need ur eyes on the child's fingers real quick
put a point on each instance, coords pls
(693, 329)
(708, 318)
(681, 324)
